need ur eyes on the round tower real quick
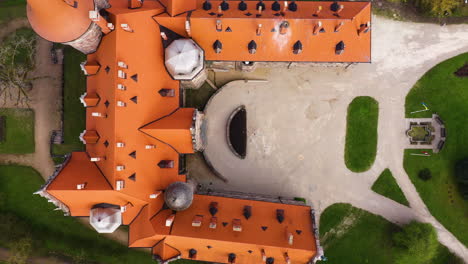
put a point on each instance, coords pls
(66, 22)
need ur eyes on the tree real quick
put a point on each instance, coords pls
(415, 244)
(425, 174)
(16, 60)
(461, 176)
(438, 8)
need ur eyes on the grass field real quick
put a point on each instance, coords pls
(74, 112)
(447, 95)
(23, 214)
(11, 9)
(351, 235)
(19, 138)
(361, 133)
(387, 186)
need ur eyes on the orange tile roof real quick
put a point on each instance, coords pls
(173, 130)
(131, 126)
(57, 21)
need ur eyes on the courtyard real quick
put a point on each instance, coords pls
(296, 125)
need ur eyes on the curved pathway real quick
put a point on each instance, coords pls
(297, 125)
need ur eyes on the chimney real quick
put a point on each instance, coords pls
(317, 12)
(120, 144)
(121, 74)
(170, 220)
(339, 26)
(285, 7)
(81, 186)
(264, 257)
(120, 167)
(166, 164)
(119, 185)
(213, 222)
(150, 146)
(110, 26)
(95, 159)
(121, 104)
(98, 114)
(121, 87)
(187, 28)
(163, 36)
(317, 28)
(155, 195)
(284, 27)
(364, 28)
(287, 259)
(126, 27)
(192, 254)
(232, 258)
(247, 211)
(236, 225)
(197, 220)
(213, 208)
(280, 215)
(259, 30)
(260, 9)
(219, 25)
(122, 65)
(289, 237)
(340, 8)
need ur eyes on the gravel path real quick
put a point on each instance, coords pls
(297, 125)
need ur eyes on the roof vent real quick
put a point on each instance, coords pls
(276, 6)
(217, 46)
(334, 6)
(232, 258)
(339, 26)
(292, 6)
(133, 154)
(283, 28)
(252, 47)
(297, 48)
(166, 164)
(224, 5)
(247, 211)
(339, 48)
(192, 253)
(280, 215)
(242, 6)
(206, 5)
(132, 177)
(213, 208)
(264, 228)
(270, 260)
(134, 99)
(135, 77)
(364, 28)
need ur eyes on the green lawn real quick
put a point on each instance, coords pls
(74, 112)
(387, 186)
(351, 235)
(19, 138)
(447, 95)
(11, 9)
(23, 214)
(361, 133)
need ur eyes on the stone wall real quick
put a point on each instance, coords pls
(89, 41)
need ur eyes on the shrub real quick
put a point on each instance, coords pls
(416, 244)
(461, 176)
(425, 174)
